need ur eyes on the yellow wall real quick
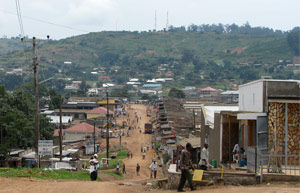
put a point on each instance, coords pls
(91, 116)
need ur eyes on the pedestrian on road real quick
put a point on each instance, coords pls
(144, 155)
(142, 148)
(153, 145)
(148, 146)
(94, 167)
(124, 168)
(118, 167)
(145, 148)
(185, 165)
(138, 167)
(131, 154)
(153, 168)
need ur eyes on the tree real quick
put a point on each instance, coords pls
(187, 55)
(120, 93)
(294, 41)
(176, 93)
(17, 121)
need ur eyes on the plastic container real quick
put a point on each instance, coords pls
(242, 163)
(214, 163)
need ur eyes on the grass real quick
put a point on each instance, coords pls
(294, 182)
(113, 162)
(45, 174)
(114, 173)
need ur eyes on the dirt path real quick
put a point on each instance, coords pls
(19, 185)
(135, 141)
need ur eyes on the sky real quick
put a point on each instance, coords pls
(66, 18)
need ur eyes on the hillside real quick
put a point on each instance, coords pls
(195, 58)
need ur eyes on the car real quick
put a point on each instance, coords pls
(61, 166)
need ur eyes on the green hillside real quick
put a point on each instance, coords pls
(195, 58)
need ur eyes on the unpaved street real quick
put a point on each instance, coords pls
(131, 183)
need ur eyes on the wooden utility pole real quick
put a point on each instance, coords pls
(60, 128)
(107, 128)
(94, 136)
(36, 93)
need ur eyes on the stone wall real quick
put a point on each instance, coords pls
(276, 126)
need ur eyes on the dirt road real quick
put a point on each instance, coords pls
(131, 183)
(135, 141)
(10, 185)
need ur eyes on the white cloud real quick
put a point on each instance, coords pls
(90, 12)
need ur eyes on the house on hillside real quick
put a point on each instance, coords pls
(208, 91)
(103, 78)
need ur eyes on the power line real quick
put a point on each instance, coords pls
(46, 22)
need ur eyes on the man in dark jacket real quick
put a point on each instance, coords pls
(185, 165)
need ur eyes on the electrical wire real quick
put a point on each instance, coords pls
(46, 22)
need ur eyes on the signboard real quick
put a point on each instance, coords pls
(198, 174)
(45, 147)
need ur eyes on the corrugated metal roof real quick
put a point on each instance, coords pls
(209, 112)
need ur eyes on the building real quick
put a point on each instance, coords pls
(208, 91)
(219, 129)
(81, 131)
(271, 118)
(98, 112)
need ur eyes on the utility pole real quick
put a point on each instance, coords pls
(94, 136)
(194, 119)
(37, 130)
(107, 128)
(60, 128)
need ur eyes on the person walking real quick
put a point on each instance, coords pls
(138, 167)
(144, 155)
(93, 167)
(204, 157)
(124, 169)
(153, 169)
(118, 167)
(131, 154)
(185, 165)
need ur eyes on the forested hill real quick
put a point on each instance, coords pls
(195, 56)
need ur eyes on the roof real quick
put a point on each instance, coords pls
(56, 132)
(99, 110)
(103, 77)
(71, 110)
(110, 101)
(207, 89)
(209, 112)
(82, 127)
(152, 85)
(268, 80)
(56, 119)
(230, 92)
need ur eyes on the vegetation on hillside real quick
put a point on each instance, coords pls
(198, 55)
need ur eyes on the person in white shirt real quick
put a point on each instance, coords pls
(93, 167)
(235, 153)
(204, 157)
(153, 169)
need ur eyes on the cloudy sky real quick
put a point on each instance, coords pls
(83, 16)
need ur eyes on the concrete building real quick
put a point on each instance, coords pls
(271, 118)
